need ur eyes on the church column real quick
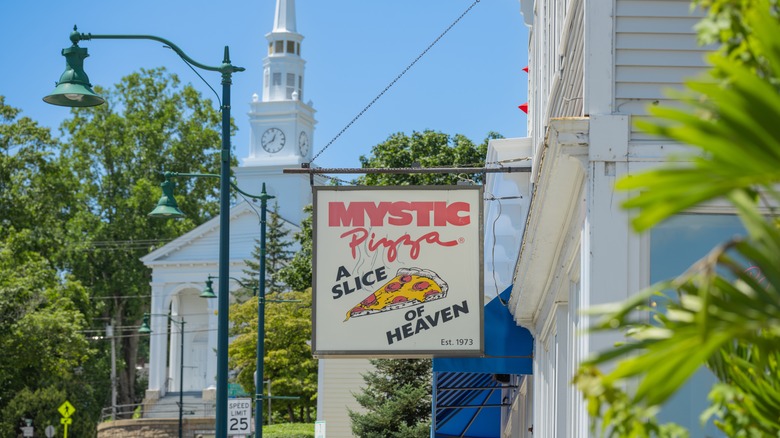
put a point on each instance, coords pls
(174, 334)
(211, 357)
(158, 345)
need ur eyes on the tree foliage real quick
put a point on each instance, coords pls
(726, 316)
(297, 274)
(397, 399)
(424, 149)
(288, 360)
(42, 318)
(277, 255)
(43, 311)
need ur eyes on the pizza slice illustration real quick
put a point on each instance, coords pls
(410, 287)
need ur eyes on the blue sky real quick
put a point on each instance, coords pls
(470, 82)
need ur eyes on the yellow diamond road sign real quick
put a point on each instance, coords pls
(66, 409)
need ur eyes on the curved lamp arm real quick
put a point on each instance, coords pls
(262, 196)
(226, 67)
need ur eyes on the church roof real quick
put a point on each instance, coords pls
(200, 244)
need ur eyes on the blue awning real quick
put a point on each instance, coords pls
(468, 393)
(509, 348)
(467, 405)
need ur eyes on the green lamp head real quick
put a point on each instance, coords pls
(73, 89)
(166, 206)
(208, 292)
(144, 329)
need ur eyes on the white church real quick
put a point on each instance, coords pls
(282, 124)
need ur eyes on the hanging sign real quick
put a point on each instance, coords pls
(397, 271)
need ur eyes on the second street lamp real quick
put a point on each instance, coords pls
(74, 90)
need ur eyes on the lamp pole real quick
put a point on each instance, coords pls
(264, 197)
(146, 330)
(74, 89)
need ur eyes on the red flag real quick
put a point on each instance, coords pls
(524, 107)
(525, 69)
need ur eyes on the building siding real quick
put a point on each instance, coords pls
(340, 380)
(655, 51)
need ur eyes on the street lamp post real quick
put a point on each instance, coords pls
(144, 329)
(74, 89)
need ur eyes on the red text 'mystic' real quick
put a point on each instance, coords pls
(398, 213)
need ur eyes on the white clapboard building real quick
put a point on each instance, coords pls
(595, 66)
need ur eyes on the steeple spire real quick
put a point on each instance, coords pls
(284, 19)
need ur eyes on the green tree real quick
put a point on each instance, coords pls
(725, 317)
(41, 337)
(35, 190)
(43, 311)
(397, 399)
(297, 274)
(117, 153)
(277, 255)
(288, 360)
(424, 149)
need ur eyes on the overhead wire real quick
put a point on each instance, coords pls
(403, 72)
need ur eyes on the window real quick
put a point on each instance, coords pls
(279, 47)
(300, 88)
(277, 79)
(290, 84)
(270, 48)
(675, 245)
(298, 49)
(291, 47)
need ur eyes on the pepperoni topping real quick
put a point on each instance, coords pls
(399, 300)
(432, 293)
(357, 310)
(369, 300)
(406, 279)
(421, 285)
(392, 287)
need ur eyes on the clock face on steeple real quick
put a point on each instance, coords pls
(303, 143)
(273, 140)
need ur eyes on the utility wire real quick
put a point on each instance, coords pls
(360, 114)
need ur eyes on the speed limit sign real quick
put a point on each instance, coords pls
(239, 416)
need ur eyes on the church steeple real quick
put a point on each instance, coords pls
(282, 124)
(284, 19)
(283, 68)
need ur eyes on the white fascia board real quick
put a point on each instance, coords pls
(554, 199)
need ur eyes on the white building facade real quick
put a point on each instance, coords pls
(594, 68)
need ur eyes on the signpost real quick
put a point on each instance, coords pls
(66, 410)
(319, 429)
(239, 417)
(27, 430)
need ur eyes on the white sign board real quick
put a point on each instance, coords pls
(398, 271)
(239, 416)
(319, 429)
